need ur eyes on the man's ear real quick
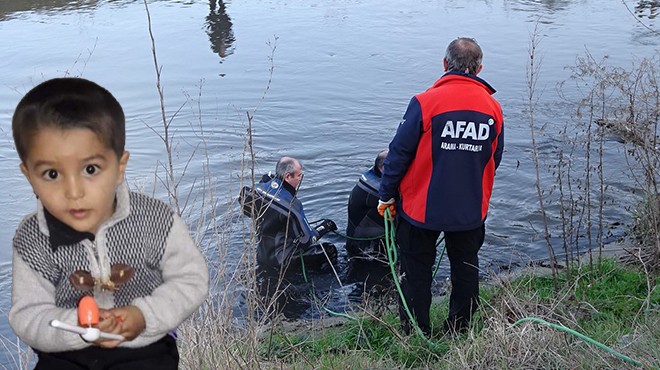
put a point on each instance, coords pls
(123, 161)
(288, 176)
(445, 64)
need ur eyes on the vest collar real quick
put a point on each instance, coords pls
(455, 76)
(280, 182)
(288, 187)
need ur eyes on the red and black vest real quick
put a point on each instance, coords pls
(443, 157)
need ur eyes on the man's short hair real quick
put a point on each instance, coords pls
(65, 104)
(464, 54)
(380, 158)
(285, 165)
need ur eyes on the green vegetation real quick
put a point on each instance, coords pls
(367, 338)
(610, 305)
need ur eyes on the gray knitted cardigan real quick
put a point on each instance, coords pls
(170, 278)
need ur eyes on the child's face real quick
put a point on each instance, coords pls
(74, 175)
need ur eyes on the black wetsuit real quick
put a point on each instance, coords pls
(284, 233)
(363, 218)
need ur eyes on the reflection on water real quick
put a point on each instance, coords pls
(547, 6)
(218, 27)
(647, 8)
(543, 12)
(371, 277)
(9, 7)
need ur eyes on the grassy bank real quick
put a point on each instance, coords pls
(611, 305)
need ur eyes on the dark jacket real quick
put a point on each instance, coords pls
(443, 157)
(283, 228)
(363, 218)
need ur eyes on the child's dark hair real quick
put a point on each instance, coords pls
(69, 103)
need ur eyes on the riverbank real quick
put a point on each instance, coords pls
(524, 322)
(539, 268)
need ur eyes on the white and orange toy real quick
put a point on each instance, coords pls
(88, 315)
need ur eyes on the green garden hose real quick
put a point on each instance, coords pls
(581, 336)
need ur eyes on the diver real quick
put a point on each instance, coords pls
(364, 222)
(285, 235)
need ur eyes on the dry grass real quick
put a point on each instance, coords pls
(530, 345)
(646, 236)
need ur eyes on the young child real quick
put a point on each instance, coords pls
(91, 236)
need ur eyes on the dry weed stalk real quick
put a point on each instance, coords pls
(532, 71)
(22, 356)
(171, 184)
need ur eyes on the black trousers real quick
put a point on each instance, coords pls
(161, 355)
(417, 257)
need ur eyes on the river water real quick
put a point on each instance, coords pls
(326, 81)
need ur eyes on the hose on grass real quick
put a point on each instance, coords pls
(392, 257)
(583, 337)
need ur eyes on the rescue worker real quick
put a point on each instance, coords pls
(364, 222)
(441, 167)
(285, 235)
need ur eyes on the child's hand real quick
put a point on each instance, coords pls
(127, 321)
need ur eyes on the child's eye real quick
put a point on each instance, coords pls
(50, 174)
(91, 169)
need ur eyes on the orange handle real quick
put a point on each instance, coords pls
(88, 312)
